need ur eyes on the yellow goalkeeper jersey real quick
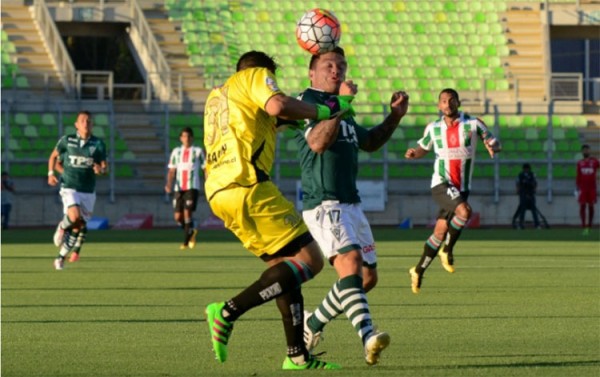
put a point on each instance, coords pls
(239, 135)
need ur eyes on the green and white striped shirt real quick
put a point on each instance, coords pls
(454, 149)
(188, 162)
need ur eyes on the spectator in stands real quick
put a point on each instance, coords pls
(453, 138)
(184, 166)
(239, 136)
(526, 184)
(77, 158)
(587, 169)
(8, 189)
(329, 160)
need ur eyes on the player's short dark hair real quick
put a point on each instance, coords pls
(315, 58)
(585, 146)
(450, 91)
(187, 130)
(252, 59)
(84, 112)
(526, 166)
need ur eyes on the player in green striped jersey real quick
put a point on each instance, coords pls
(78, 158)
(329, 161)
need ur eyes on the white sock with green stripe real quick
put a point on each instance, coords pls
(348, 296)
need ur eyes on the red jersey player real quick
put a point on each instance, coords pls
(586, 186)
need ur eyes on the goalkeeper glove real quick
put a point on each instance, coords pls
(334, 106)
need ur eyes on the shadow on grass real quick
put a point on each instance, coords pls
(44, 236)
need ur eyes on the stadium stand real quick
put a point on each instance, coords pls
(495, 44)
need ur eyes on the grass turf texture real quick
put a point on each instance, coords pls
(522, 303)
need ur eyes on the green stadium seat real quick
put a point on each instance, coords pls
(99, 132)
(568, 121)
(581, 121)
(124, 171)
(522, 146)
(21, 119)
(536, 146)
(30, 131)
(509, 147)
(488, 119)
(549, 145)
(541, 121)
(16, 131)
(69, 119)
(35, 119)
(39, 145)
(49, 119)
(13, 144)
(515, 121)
(572, 134)
(120, 145)
(564, 146)
(22, 82)
(531, 134)
(101, 119)
(484, 171)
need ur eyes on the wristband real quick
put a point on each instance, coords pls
(50, 172)
(345, 105)
(323, 112)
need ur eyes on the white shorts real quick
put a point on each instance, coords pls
(339, 228)
(84, 200)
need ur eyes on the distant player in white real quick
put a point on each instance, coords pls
(453, 138)
(185, 164)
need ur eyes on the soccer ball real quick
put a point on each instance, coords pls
(318, 31)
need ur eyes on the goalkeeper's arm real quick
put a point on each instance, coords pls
(290, 108)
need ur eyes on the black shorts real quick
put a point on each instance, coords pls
(291, 248)
(185, 200)
(448, 198)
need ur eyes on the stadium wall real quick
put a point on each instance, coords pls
(44, 210)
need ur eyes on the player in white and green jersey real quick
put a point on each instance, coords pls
(328, 152)
(184, 166)
(453, 138)
(78, 158)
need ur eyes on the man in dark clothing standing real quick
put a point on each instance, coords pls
(526, 186)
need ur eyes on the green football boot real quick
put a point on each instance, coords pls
(220, 330)
(311, 363)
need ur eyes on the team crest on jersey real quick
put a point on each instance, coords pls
(92, 150)
(291, 220)
(337, 233)
(272, 84)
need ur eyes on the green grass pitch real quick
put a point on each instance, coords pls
(521, 303)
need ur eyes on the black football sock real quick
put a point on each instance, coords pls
(457, 224)
(274, 281)
(429, 253)
(291, 307)
(187, 225)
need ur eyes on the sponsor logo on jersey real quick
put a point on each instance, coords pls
(272, 84)
(80, 161)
